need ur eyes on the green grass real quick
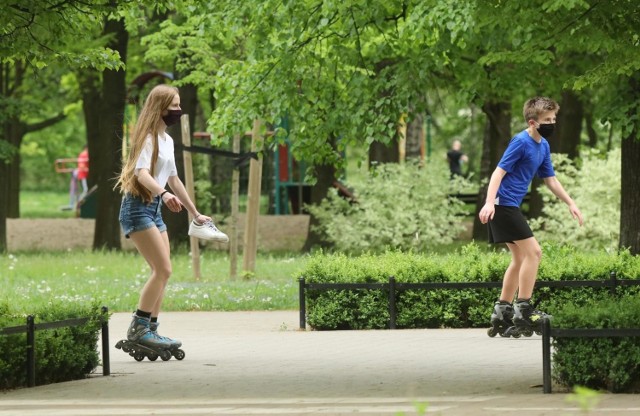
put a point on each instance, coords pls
(44, 204)
(114, 279)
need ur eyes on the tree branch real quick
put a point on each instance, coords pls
(30, 128)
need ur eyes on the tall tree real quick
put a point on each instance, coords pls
(39, 33)
(108, 140)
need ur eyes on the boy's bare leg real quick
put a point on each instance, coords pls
(531, 256)
(512, 275)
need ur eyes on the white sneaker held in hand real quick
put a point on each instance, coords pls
(207, 231)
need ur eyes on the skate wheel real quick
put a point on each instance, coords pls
(491, 332)
(538, 332)
(120, 344)
(165, 355)
(179, 354)
(138, 356)
(527, 333)
(152, 357)
(516, 335)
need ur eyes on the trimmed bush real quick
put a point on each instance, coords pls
(62, 354)
(368, 309)
(601, 363)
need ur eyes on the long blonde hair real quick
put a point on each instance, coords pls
(158, 100)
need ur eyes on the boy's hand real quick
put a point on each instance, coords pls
(575, 212)
(486, 213)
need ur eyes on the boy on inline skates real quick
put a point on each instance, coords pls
(528, 154)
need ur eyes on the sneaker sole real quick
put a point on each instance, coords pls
(218, 239)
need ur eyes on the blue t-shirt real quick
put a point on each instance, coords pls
(523, 158)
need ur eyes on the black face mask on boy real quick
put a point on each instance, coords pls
(172, 117)
(546, 130)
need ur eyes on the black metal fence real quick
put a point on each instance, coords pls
(392, 287)
(548, 333)
(31, 327)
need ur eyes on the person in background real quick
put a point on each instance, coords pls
(456, 157)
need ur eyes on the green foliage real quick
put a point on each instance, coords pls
(398, 207)
(62, 354)
(442, 307)
(608, 363)
(116, 278)
(595, 187)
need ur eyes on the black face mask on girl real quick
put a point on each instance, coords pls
(546, 130)
(172, 117)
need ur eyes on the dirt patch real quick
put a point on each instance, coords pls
(275, 232)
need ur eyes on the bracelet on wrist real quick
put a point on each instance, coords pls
(162, 194)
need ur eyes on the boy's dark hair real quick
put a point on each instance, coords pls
(538, 105)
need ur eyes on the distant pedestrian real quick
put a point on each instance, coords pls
(456, 157)
(527, 155)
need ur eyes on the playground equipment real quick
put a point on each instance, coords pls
(290, 187)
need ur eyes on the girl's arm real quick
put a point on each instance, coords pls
(145, 178)
(179, 190)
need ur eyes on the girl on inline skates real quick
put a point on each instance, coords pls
(149, 167)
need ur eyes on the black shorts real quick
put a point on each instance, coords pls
(508, 225)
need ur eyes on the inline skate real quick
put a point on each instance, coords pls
(175, 344)
(142, 342)
(502, 321)
(527, 319)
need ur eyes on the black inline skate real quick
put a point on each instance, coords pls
(527, 319)
(142, 342)
(502, 321)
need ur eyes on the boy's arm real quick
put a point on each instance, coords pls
(487, 212)
(556, 187)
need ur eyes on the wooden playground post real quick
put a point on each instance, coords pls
(188, 178)
(233, 235)
(402, 140)
(253, 203)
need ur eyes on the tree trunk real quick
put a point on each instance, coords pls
(384, 153)
(108, 143)
(497, 134)
(567, 138)
(91, 108)
(414, 137)
(630, 186)
(178, 223)
(325, 175)
(16, 132)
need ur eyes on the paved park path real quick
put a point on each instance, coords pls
(259, 363)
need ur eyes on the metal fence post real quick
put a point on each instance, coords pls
(303, 304)
(614, 282)
(31, 351)
(392, 302)
(106, 366)
(546, 355)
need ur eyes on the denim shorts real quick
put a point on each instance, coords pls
(136, 215)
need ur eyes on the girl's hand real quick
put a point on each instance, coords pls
(172, 202)
(201, 219)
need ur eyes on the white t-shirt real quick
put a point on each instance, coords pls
(166, 163)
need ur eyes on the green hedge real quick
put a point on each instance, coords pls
(368, 309)
(609, 363)
(62, 354)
